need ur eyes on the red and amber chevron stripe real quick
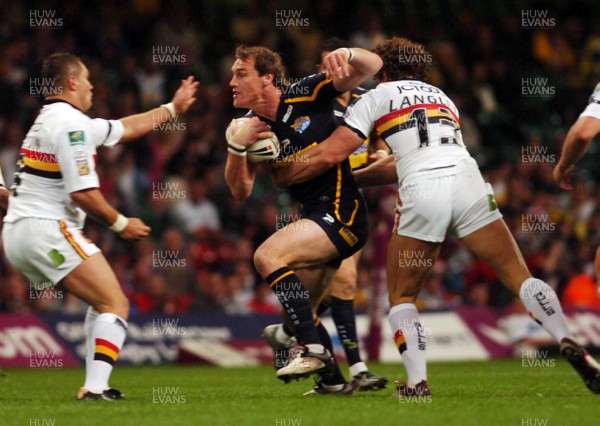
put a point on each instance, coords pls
(41, 163)
(105, 351)
(401, 116)
(400, 340)
(534, 318)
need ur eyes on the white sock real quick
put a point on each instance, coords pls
(409, 337)
(90, 318)
(544, 307)
(356, 369)
(108, 334)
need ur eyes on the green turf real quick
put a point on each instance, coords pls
(474, 393)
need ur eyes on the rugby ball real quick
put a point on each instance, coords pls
(262, 150)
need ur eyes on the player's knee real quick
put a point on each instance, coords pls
(118, 305)
(401, 295)
(398, 299)
(345, 288)
(123, 308)
(263, 260)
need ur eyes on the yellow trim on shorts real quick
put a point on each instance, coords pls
(336, 203)
(77, 247)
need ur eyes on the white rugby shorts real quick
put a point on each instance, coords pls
(45, 250)
(454, 201)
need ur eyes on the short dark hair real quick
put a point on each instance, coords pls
(402, 58)
(56, 69)
(332, 44)
(265, 61)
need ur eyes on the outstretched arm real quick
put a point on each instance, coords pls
(93, 202)
(315, 161)
(138, 125)
(576, 144)
(349, 67)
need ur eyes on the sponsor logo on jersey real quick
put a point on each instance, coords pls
(287, 114)
(301, 124)
(77, 137)
(348, 236)
(83, 168)
(81, 159)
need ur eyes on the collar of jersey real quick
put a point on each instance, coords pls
(54, 101)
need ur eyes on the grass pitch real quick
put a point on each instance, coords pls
(504, 392)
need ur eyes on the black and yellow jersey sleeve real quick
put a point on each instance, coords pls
(316, 88)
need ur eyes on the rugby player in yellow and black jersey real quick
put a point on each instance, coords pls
(342, 291)
(334, 218)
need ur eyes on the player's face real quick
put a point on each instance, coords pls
(247, 86)
(84, 89)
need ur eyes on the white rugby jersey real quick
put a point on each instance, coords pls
(58, 156)
(416, 120)
(593, 108)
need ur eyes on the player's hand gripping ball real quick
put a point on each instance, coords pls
(261, 151)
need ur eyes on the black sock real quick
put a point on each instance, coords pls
(295, 300)
(288, 330)
(342, 312)
(338, 377)
(323, 306)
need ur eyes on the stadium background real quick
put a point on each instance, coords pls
(520, 72)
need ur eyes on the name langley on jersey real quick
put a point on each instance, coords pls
(44, 19)
(416, 100)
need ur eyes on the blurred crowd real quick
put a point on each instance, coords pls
(519, 84)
